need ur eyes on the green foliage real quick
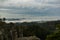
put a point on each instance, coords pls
(58, 26)
(12, 30)
(55, 35)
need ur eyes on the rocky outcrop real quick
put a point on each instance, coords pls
(29, 38)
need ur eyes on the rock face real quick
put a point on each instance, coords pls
(28, 38)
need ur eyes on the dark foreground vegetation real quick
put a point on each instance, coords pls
(49, 30)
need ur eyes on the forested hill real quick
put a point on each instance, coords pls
(12, 31)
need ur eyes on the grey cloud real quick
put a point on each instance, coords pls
(1, 1)
(53, 1)
(31, 4)
(51, 8)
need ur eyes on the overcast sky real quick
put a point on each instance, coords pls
(35, 9)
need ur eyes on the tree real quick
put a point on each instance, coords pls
(4, 19)
(55, 35)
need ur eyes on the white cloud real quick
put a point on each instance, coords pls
(29, 3)
(41, 19)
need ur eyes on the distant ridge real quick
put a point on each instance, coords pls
(27, 20)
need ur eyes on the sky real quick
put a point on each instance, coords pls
(30, 9)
